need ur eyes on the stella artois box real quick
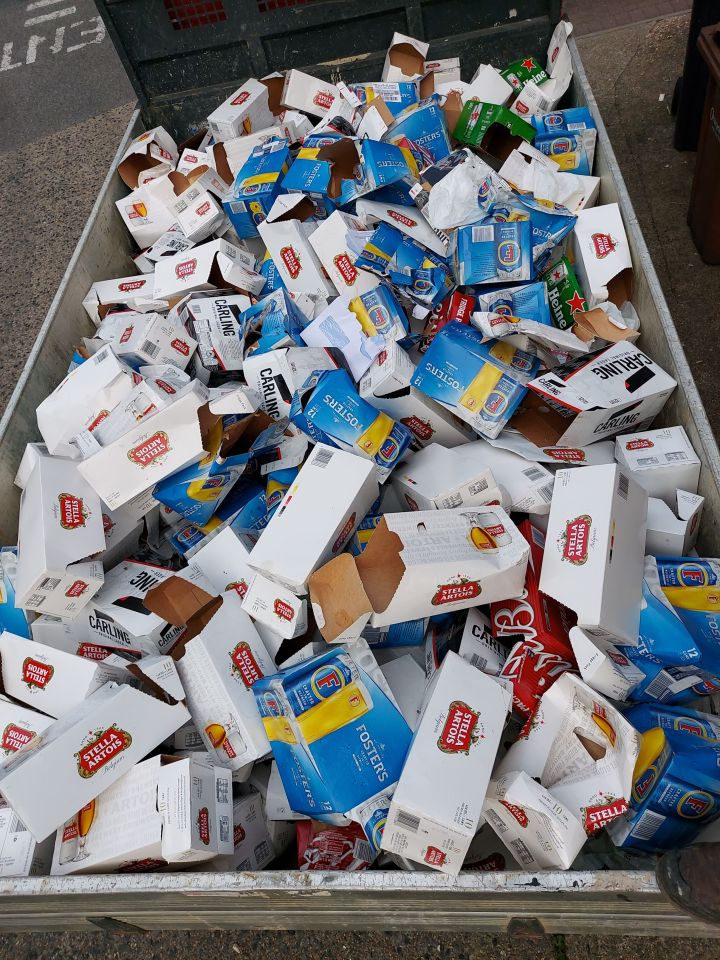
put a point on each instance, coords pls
(602, 258)
(20, 855)
(130, 293)
(387, 387)
(277, 374)
(146, 217)
(408, 220)
(286, 232)
(216, 263)
(86, 751)
(60, 531)
(673, 533)
(526, 488)
(418, 565)
(196, 804)
(157, 447)
(275, 606)
(597, 453)
(18, 725)
(315, 520)
(253, 846)
(152, 338)
(224, 563)
(436, 808)
(330, 243)
(122, 535)
(539, 831)
(244, 112)
(603, 666)
(308, 94)
(83, 400)
(406, 679)
(50, 680)
(405, 59)
(151, 154)
(595, 548)
(581, 749)
(433, 479)
(73, 636)
(662, 461)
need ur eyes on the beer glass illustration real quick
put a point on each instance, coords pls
(85, 819)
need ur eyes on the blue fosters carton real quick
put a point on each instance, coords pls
(482, 383)
(244, 508)
(529, 301)
(423, 129)
(272, 323)
(493, 253)
(395, 96)
(330, 410)
(337, 737)
(568, 137)
(256, 187)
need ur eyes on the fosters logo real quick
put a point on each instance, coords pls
(508, 253)
(345, 268)
(575, 542)
(72, 511)
(100, 749)
(244, 664)
(150, 450)
(460, 731)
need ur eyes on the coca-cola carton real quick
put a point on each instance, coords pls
(331, 848)
(18, 726)
(436, 808)
(330, 243)
(433, 479)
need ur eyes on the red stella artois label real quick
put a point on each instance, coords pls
(180, 346)
(72, 511)
(435, 857)
(203, 208)
(240, 98)
(105, 745)
(126, 334)
(92, 651)
(290, 258)
(150, 450)
(496, 861)
(99, 419)
(517, 812)
(576, 539)
(130, 285)
(37, 674)
(15, 737)
(245, 664)
(401, 218)
(185, 269)
(603, 245)
(203, 825)
(239, 586)
(323, 99)
(107, 524)
(639, 444)
(70, 831)
(345, 268)
(76, 589)
(238, 834)
(459, 732)
(229, 749)
(456, 592)
(165, 386)
(344, 533)
(283, 610)
(566, 455)
(596, 817)
(421, 428)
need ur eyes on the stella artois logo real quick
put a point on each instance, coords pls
(435, 857)
(72, 511)
(597, 817)
(229, 749)
(283, 610)
(165, 386)
(421, 428)
(516, 812)
(603, 245)
(460, 731)
(76, 589)
(240, 98)
(108, 525)
(203, 825)
(238, 834)
(641, 444)
(345, 268)
(575, 542)
(323, 99)
(566, 455)
(150, 450)
(245, 665)
(180, 346)
(35, 673)
(521, 108)
(101, 748)
(98, 419)
(92, 651)
(70, 830)
(127, 333)
(410, 502)
(14, 737)
(292, 261)
(129, 285)
(344, 533)
(401, 218)
(186, 269)
(203, 208)
(456, 592)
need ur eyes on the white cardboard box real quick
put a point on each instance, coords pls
(479, 647)
(436, 809)
(406, 679)
(527, 487)
(152, 338)
(195, 802)
(603, 666)
(245, 111)
(151, 154)
(146, 217)
(595, 548)
(224, 562)
(132, 293)
(275, 606)
(329, 241)
(253, 844)
(18, 726)
(308, 94)
(433, 479)
(277, 374)
(216, 263)
(405, 59)
(20, 855)
(602, 255)
(662, 461)
(407, 220)
(286, 232)
(673, 533)
(331, 494)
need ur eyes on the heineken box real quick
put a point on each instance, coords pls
(492, 127)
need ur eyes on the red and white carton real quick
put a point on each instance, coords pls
(157, 447)
(253, 846)
(408, 220)
(308, 94)
(18, 726)
(51, 680)
(488, 86)
(322, 846)
(191, 160)
(72, 636)
(122, 535)
(673, 533)
(418, 565)
(330, 243)
(215, 264)
(277, 374)
(405, 59)
(595, 548)
(554, 457)
(436, 808)
(286, 232)
(603, 666)
(318, 515)
(60, 532)
(154, 339)
(539, 831)
(526, 488)
(662, 461)
(602, 258)
(151, 154)
(244, 112)
(224, 562)
(172, 241)
(433, 479)
(446, 70)
(84, 753)
(196, 805)
(277, 607)
(132, 293)
(145, 215)
(581, 749)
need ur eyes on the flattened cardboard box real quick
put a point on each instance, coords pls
(18, 726)
(329, 241)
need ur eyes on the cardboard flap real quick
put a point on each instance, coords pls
(452, 107)
(180, 183)
(538, 422)
(407, 59)
(183, 604)
(275, 84)
(132, 166)
(344, 159)
(222, 167)
(380, 566)
(337, 597)
(150, 686)
(596, 323)
(620, 288)
(294, 207)
(241, 435)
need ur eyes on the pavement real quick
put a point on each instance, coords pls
(54, 162)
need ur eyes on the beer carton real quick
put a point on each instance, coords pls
(276, 607)
(129, 293)
(60, 532)
(526, 487)
(170, 242)
(673, 533)
(602, 256)
(122, 535)
(151, 154)
(406, 679)
(147, 218)
(330, 243)
(244, 112)
(604, 667)
(395, 96)
(257, 186)
(253, 846)
(86, 751)
(193, 201)
(339, 327)
(214, 322)
(433, 479)
(286, 232)
(308, 94)
(19, 725)
(662, 461)
(494, 128)
(172, 439)
(220, 658)
(21, 856)
(405, 59)
(436, 808)
(405, 219)
(72, 636)
(194, 798)
(593, 397)
(224, 562)
(493, 253)
(215, 263)
(598, 453)
(418, 565)
(51, 680)
(594, 559)
(488, 86)
(152, 338)
(277, 374)
(320, 512)
(479, 647)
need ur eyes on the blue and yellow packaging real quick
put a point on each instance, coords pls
(271, 323)
(675, 722)
(245, 505)
(568, 137)
(529, 301)
(692, 586)
(12, 618)
(379, 313)
(273, 280)
(278, 483)
(491, 252)
(257, 185)
(423, 125)
(396, 96)
(482, 383)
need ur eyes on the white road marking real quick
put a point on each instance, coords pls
(41, 3)
(53, 15)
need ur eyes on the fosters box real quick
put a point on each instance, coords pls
(256, 187)
(436, 808)
(418, 565)
(277, 374)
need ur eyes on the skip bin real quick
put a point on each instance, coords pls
(603, 902)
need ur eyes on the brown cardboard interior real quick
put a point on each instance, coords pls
(275, 88)
(620, 288)
(241, 435)
(343, 159)
(499, 142)
(338, 590)
(183, 604)
(595, 750)
(302, 210)
(596, 323)
(131, 168)
(148, 685)
(217, 279)
(452, 107)
(379, 105)
(380, 566)
(407, 59)
(540, 423)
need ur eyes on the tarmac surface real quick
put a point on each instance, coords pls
(52, 173)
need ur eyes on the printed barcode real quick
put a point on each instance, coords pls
(50, 583)
(496, 821)
(222, 787)
(453, 501)
(363, 851)
(648, 825)
(150, 348)
(178, 245)
(408, 821)
(521, 851)
(659, 685)
(224, 828)
(647, 461)
(676, 455)
(546, 492)
(477, 661)
(245, 865)
(16, 825)
(322, 458)
(534, 473)
(36, 600)
(262, 852)
(478, 487)
(99, 357)
(483, 234)
(623, 485)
